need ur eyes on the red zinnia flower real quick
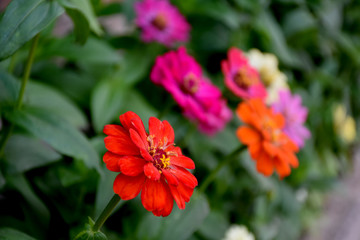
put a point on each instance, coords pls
(149, 163)
(268, 145)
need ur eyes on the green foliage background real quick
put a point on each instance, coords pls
(51, 173)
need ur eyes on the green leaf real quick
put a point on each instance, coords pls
(214, 226)
(13, 234)
(21, 184)
(43, 96)
(105, 191)
(183, 223)
(268, 25)
(22, 20)
(292, 25)
(179, 225)
(81, 25)
(138, 104)
(94, 51)
(61, 135)
(23, 153)
(9, 89)
(84, 8)
(2, 180)
(106, 101)
(46, 97)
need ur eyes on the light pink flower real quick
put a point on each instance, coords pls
(162, 22)
(241, 78)
(295, 116)
(200, 100)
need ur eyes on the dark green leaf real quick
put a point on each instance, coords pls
(22, 20)
(13, 234)
(84, 8)
(105, 191)
(9, 89)
(46, 97)
(106, 101)
(214, 226)
(42, 96)
(58, 133)
(23, 153)
(179, 225)
(94, 51)
(21, 184)
(81, 25)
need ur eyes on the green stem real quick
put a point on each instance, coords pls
(26, 75)
(12, 63)
(223, 163)
(25, 78)
(106, 213)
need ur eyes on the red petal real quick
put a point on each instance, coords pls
(182, 161)
(146, 155)
(111, 160)
(131, 166)
(126, 118)
(135, 137)
(168, 132)
(115, 130)
(171, 179)
(156, 197)
(181, 194)
(128, 187)
(151, 171)
(177, 197)
(138, 125)
(184, 176)
(156, 130)
(169, 202)
(185, 192)
(121, 145)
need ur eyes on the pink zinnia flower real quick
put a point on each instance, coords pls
(161, 22)
(241, 78)
(295, 116)
(199, 99)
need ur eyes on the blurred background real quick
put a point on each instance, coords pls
(91, 66)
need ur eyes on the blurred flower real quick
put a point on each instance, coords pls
(162, 22)
(268, 145)
(237, 232)
(295, 116)
(199, 99)
(344, 125)
(148, 163)
(267, 66)
(242, 79)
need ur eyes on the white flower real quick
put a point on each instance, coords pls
(278, 84)
(344, 125)
(267, 66)
(237, 232)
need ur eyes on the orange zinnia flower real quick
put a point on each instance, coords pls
(148, 163)
(268, 145)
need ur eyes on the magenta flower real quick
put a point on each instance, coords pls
(241, 78)
(295, 116)
(199, 99)
(162, 22)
